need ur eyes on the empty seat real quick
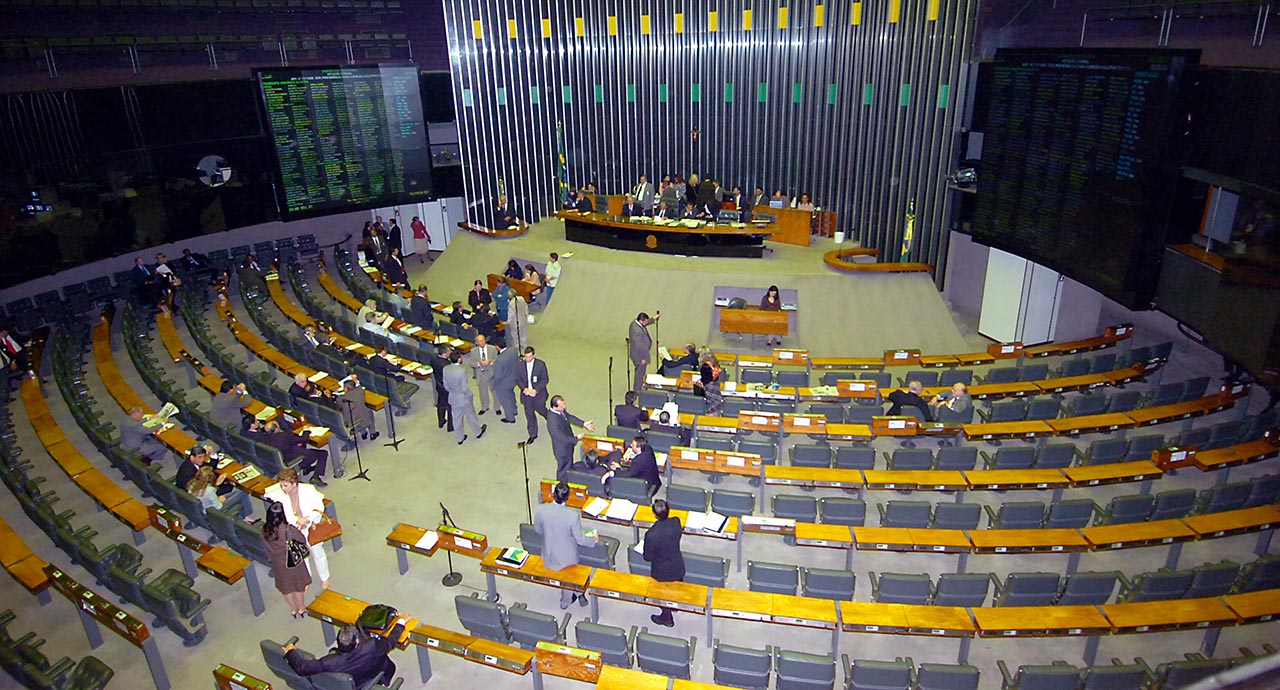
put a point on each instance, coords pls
(1026, 589)
(1016, 515)
(742, 667)
(1054, 456)
(666, 656)
(1088, 404)
(800, 671)
(879, 675)
(1102, 363)
(633, 489)
(842, 511)
(1173, 504)
(953, 376)
(614, 644)
(1056, 676)
(1141, 447)
(899, 588)
(961, 589)
(1123, 510)
(754, 375)
(732, 503)
(1263, 491)
(962, 458)
(792, 378)
(687, 497)
(927, 378)
(483, 618)
(1165, 394)
(1124, 401)
(1087, 588)
(708, 571)
(528, 628)
(1074, 367)
(855, 458)
(833, 412)
(1217, 499)
(811, 456)
(1005, 411)
(1194, 388)
(1105, 451)
(947, 677)
(915, 514)
(827, 584)
(1043, 408)
(910, 459)
(956, 516)
(1212, 580)
(1001, 375)
(1113, 677)
(1262, 574)
(1072, 513)
(776, 578)
(1174, 675)
(798, 508)
(1010, 458)
(1224, 434)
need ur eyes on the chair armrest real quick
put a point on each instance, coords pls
(887, 458)
(880, 508)
(988, 460)
(848, 668)
(292, 640)
(875, 585)
(1126, 585)
(693, 648)
(995, 583)
(60, 669)
(564, 627)
(1004, 671)
(991, 515)
(984, 414)
(395, 684)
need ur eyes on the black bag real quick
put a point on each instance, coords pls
(699, 389)
(296, 552)
(376, 617)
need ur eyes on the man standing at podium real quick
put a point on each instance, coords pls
(640, 347)
(644, 192)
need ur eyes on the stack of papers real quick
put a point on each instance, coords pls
(370, 269)
(265, 413)
(709, 522)
(316, 430)
(352, 346)
(246, 474)
(596, 507)
(428, 540)
(621, 509)
(663, 352)
(513, 556)
(386, 323)
(318, 376)
(409, 329)
(759, 521)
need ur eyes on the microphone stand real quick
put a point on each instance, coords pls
(524, 453)
(391, 420)
(453, 577)
(610, 412)
(355, 443)
(628, 364)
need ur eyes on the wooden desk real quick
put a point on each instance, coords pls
(933, 480)
(1174, 614)
(831, 477)
(1016, 479)
(648, 235)
(856, 616)
(1114, 473)
(623, 586)
(1239, 454)
(682, 596)
(939, 621)
(1128, 536)
(567, 662)
(1027, 541)
(851, 363)
(1090, 424)
(617, 678)
(990, 431)
(824, 536)
(1013, 389)
(742, 605)
(682, 684)
(1255, 607)
(755, 321)
(793, 225)
(940, 540)
(446, 641)
(1231, 522)
(498, 233)
(883, 539)
(1149, 416)
(573, 578)
(1039, 621)
(1067, 384)
(505, 657)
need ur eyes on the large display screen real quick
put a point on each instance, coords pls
(346, 138)
(1079, 160)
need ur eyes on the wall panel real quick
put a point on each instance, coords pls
(842, 100)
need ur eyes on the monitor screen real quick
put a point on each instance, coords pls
(346, 138)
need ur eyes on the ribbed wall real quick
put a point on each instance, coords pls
(857, 103)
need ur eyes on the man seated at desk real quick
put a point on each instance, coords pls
(584, 204)
(629, 414)
(689, 358)
(953, 405)
(910, 398)
(457, 315)
(632, 208)
(363, 657)
(665, 422)
(201, 455)
(503, 215)
(291, 446)
(380, 363)
(669, 211)
(638, 462)
(304, 389)
(485, 321)
(698, 211)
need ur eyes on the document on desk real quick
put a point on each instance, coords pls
(318, 376)
(659, 380)
(621, 509)
(596, 507)
(315, 430)
(428, 540)
(246, 474)
(352, 347)
(824, 391)
(386, 323)
(709, 522)
(265, 413)
(663, 352)
(410, 329)
(513, 556)
(370, 269)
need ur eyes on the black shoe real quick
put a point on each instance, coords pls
(364, 435)
(582, 599)
(339, 475)
(530, 441)
(442, 426)
(483, 411)
(508, 421)
(374, 436)
(664, 622)
(464, 438)
(483, 428)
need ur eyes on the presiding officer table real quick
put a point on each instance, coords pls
(709, 239)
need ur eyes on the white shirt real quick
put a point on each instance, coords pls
(528, 369)
(552, 274)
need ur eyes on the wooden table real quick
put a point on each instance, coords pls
(405, 538)
(991, 431)
(1255, 607)
(1212, 525)
(1090, 424)
(755, 321)
(616, 678)
(574, 578)
(1027, 541)
(1114, 473)
(873, 617)
(994, 480)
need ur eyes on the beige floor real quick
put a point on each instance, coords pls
(482, 482)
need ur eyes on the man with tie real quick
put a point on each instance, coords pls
(505, 364)
(440, 360)
(463, 406)
(560, 425)
(644, 193)
(481, 359)
(532, 378)
(310, 338)
(144, 279)
(640, 345)
(584, 204)
(420, 310)
(758, 200)
(633, 208)
(669, 212)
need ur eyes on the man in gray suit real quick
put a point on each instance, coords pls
(481, 359)
(563, 440)
(505, 365)
(461, 404)
(136, 436)
(640, 346)
(561, 530)
(227, 403)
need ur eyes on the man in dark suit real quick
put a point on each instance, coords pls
(363, 657)
(505, 365)
(380, 363)
(671, 212)
(486, 323)
(146, 288)
(584, 202)
(563, 439)
(662, 550)
(758, 200)
(640, 347)
(310, 339)
(670, 367)
(329, 346)
(395, 237)
(503, 215)
(628, 414)
(438, 362)
(201, 455)
(479, 296)
(632, 208)
(420, 310)
(292, 447)
(532, 379)
(306, 390)
(643, 465)
(910, 398)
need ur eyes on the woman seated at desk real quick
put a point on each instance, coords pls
(771, 302)
(805, 204)
(531, 275)
(514, 270)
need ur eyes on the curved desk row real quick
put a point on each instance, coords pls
(353, 304)
(841, 260)
(709, 239)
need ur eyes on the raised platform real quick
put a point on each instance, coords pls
(706, 240)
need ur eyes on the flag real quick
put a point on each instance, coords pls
(910, 231)
(562, 166)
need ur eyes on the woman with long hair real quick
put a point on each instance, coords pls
(772, 302)
(292, 582)
(203, 487)
(711, 376)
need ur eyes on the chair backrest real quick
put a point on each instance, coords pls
(767, 451)
(528, 628)
(1212, 580)
(1020, 515)
(855, 458)
(1008, 410)
(824, 583)
(1043, 408)
(834, 413)
(1123, 510)
(1055, 455)
(714, 442)
(906, 514)
(800, 671)
(1172, 504)
(1028, 589)
(1013, 458)
(776, 578)
(947, 677)
(1223, 497)
(899, 588)
(333, 681)
(1194, 388)
(482, 618)
(1050, 677)
(273, 655)
(1002, 375)
(530, 539)
(953, 376)
(637, 565)
(1087, 588)
(842, 511)
(1181, 674)
(742, 667)
(732, 503)
(1103, 362)
(1166, 394)
(880, 675)
(1089, 404)
(1140, 447)
(611, 642)
(633, 489)
(810, 456)
(798, 508)
(1260, 575)
(1114, 677)
(1106, 451)
(792, 378)
(709, 571)
(754, 375)
(1033, 372)
(1071, 513)
(667, 656)
(1074, 367)
(962, 458)
(928, 378)
(687, 497)
(1124, 401)
(956, 516)
(911, 459)
(961, 589)
(1264, 490)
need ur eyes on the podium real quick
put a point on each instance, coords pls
(793, 226)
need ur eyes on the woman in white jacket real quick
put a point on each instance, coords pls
(303, 508)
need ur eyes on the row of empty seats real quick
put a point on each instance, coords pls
(22, 658)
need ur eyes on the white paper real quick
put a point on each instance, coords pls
(596, 507)
(621, 509)
(318, 376)
(428, 540)
(800, 421)
(686, 454)
(785, 354)
(735, 461)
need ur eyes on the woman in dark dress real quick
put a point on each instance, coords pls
(514, 270)
(772, 302)
(712, 376)
(291, 582)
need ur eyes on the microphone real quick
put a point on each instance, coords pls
(522, 444)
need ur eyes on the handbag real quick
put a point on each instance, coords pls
(323, 531)
(376, 617)
(296, 552)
